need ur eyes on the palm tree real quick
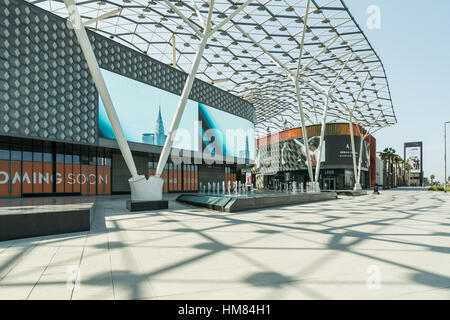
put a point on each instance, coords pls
(384, 156)
(432, 177)
(387, 156)
(408, 167)
(397, 160)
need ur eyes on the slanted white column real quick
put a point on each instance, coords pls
(360, 156)
(324, 116)
(322, 136)
(363, 135)
(138, 191)
(295, 75)
(296, 79)
(182, 103)
(304, 132)
(357, 185)
(208, 31)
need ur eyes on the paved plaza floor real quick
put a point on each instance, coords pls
(390, 246)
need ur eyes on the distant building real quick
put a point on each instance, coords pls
(379, 170)
(246, 152)
(148, 138)
(159, 130)
(247, 149)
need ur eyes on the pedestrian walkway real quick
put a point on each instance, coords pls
(392, 246)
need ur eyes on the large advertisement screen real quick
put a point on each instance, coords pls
(413, 157)
(291, 154)
(232, 136)
(146, 113)
(340, 150)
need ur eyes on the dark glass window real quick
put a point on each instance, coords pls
(101, 157)
(68, 158)
(27, 156)
(4, 154)
(92, 161)
(59, 153)
(37, 156)
(108, 157)
(48, 152)
(37, 151)
(48, 157)
(84, 159)
(84, 155)
(16, 155)
(59, 158)
(92, 156)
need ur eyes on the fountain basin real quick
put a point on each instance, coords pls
(257, 200)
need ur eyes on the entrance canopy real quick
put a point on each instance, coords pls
(256, 52)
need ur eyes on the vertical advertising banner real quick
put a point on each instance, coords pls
(414, 158)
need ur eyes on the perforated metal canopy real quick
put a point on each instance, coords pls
(253, 54)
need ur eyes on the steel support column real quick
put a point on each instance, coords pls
(352, 138)
(208, 31)
(445, 156)
(322, 136)
(138, 191)
(324, 118)
(184, 95)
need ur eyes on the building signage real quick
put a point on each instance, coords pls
(18, 177)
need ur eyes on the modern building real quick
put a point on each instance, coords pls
(159, 130)
(148, 138)
(54, 135)
(150, 60)
(281, 159)
(379, 170)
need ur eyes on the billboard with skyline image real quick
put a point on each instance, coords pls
(236, 136)
(146, 112)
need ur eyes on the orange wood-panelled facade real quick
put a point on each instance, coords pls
(73, 170)
(45, 172)
(332, 129)
(177, 178)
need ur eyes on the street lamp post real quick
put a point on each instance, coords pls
(445, 156)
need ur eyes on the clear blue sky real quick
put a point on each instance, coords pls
(414, 46)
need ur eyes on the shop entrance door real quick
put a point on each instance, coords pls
(276, 184)
(329, 184)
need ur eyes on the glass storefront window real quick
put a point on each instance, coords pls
(68, 158)
(84, 159)
(37, 156)
(59, 158)
(47, 157)
(16, 155)
(27, 156)
(4, 154)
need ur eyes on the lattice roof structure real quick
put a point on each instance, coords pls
(254, 54)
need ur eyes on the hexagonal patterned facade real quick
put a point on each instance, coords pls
(46, 90)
